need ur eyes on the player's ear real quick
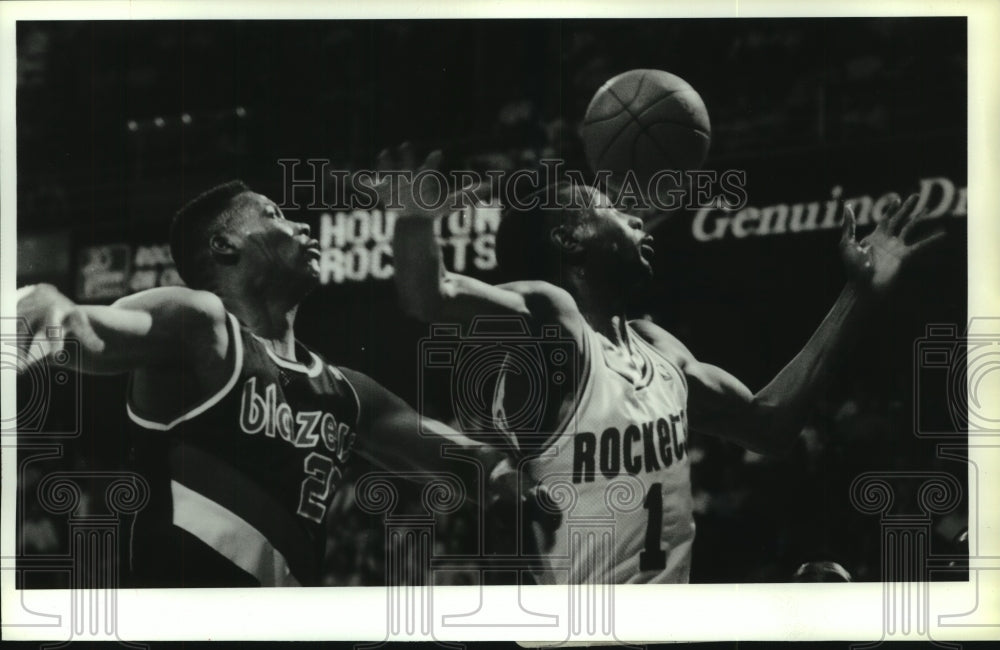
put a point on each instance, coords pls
(565, 238)
(224, 250)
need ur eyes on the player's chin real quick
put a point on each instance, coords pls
(645, 272)
(312, 280)
(310, 265)
(308, 275)
(645, 267)
(637, 277)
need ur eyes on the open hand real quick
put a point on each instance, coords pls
(49, 318)
(396, 173)
(513, 497)
(876, 261)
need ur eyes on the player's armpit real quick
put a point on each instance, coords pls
(719, 404)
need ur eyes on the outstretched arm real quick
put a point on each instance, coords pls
(431, 293)
(770, 420)
(394, 436)
(164, 326)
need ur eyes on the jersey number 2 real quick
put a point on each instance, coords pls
(653, 558)
(316, 487)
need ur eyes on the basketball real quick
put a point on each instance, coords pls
(645, 121)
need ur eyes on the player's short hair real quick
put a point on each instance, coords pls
(825, 571)
(524, 247)
(192, 226)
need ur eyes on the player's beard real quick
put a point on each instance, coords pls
(636, 283)
(619, 271)
(302, 284)
(300, 275)
(287, 284)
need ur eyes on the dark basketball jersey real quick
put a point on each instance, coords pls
(241, 483)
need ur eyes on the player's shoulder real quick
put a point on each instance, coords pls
(195, 321)
(663, 341)
(542, 297)
(189, 303)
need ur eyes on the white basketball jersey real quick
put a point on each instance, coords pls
(618, 468)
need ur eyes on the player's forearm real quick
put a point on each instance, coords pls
(426, 450)
(781, 406)
(91, 339)
(419, 268)
(166, 325)
(126, 345)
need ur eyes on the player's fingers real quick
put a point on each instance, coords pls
(899, 218)
(407, 158)
(927, 241)
(366, 180)
(504, 482)
(25, 356)
(383, 161)
(850, 224)
(41, 347)
(433, 160)
(32, 352)
(891, 207)
(54, 332)
(30, 312)
(913, 226)
(79, 324)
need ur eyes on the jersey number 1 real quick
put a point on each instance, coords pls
(653, 558)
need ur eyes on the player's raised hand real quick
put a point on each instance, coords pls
(50, 318)
(409, 188)
(876, 262)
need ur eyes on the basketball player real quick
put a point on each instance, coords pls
(622, 427)
(242, 431)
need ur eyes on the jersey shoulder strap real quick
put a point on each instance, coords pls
(235, 361)
(530, 442)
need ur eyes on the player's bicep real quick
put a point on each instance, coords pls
(463, 298)
(159, 327)
(721, 405)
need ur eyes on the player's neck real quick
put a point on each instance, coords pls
(612, 326)
(604, 311)
(270, 320)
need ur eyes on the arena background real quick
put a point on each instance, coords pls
(120, 123)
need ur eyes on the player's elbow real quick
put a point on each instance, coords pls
(419, 289)
(425, 310)
(421, 300)
(205, 309)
